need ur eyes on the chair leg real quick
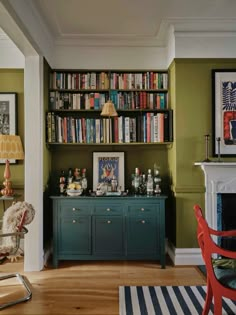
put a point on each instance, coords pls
(217, 305)
(208, 299)
(25, 298)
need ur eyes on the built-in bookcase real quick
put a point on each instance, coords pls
(140, 97)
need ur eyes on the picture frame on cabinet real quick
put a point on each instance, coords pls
(224, 112)
(8, 117)
(105, 166)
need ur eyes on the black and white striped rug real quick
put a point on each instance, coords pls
(164, 300)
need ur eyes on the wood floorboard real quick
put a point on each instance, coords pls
(88, 287)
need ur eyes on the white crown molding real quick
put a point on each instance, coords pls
(182, 27)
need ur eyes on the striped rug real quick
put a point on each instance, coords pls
(164, 300)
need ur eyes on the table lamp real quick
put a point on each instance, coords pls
(10, 148)
(109, 111)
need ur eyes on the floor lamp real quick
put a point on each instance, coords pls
(109, 111)
(10, 148)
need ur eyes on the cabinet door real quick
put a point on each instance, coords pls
(108, 235)
(75, 235)
(142, 235)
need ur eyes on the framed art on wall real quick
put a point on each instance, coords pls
(224, 112)
(8, 116)
(105, 166)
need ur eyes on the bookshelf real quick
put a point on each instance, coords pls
(140, 97)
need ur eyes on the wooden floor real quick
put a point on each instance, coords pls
(89, 288)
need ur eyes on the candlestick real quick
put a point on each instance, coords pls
(218, 144)
(207, 148)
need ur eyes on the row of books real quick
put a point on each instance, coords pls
(104, 80)
(139, 100)
(122, 100)
(146, 80)
(148, 128)
(77, 81)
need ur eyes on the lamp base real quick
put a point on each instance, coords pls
(7, 191)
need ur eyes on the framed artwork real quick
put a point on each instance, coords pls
(105, 166)
(224, 112)
(8, 116)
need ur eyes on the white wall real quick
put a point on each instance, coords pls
(72, 57)
(205, 44)
(10, 55)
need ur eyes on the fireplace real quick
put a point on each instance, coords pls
(220, 179)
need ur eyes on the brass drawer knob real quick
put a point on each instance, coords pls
(74, 221)
(142, 209)
(108, 209)
(108, 222)
(143, 221)
(73, 209)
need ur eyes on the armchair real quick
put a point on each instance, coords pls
(13, 230)
(221, 281)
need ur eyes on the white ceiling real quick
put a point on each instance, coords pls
(145, 21)
(106, 33)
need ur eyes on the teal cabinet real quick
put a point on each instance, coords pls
(115, 228)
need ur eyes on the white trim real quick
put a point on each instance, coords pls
(185, 256)
(34, 160)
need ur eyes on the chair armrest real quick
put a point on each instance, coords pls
(20, 234)
(230, 233)
(224, 252)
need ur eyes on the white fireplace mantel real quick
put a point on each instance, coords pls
(220, 177)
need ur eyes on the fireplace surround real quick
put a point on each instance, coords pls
(220, 178)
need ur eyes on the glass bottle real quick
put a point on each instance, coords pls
(142, 186)
(77, 176)
(70, 176)
(136, 181)
(114, 184)
(157, 180)
(62, 182)
(84, 181)
(149, 183)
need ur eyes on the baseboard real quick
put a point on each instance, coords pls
(185, 256)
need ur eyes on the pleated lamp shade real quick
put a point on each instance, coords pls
(11, 147)
(109, 109)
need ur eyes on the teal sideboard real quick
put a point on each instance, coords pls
(108, 228)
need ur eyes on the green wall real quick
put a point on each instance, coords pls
(191, 99)
(12, 80)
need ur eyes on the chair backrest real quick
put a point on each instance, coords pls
(207, 240)
(209, 247)
(202, 230)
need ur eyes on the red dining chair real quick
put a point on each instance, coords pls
(221, 281)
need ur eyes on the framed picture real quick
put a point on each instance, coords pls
(224, 112)
(8, 116)
(105, 166)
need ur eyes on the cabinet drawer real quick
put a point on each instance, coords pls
(108, 235)
(74, 208)
(108, 209)
(143, 209)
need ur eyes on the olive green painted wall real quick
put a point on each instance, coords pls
(191, 98)
(12, 80)
(142, 156)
